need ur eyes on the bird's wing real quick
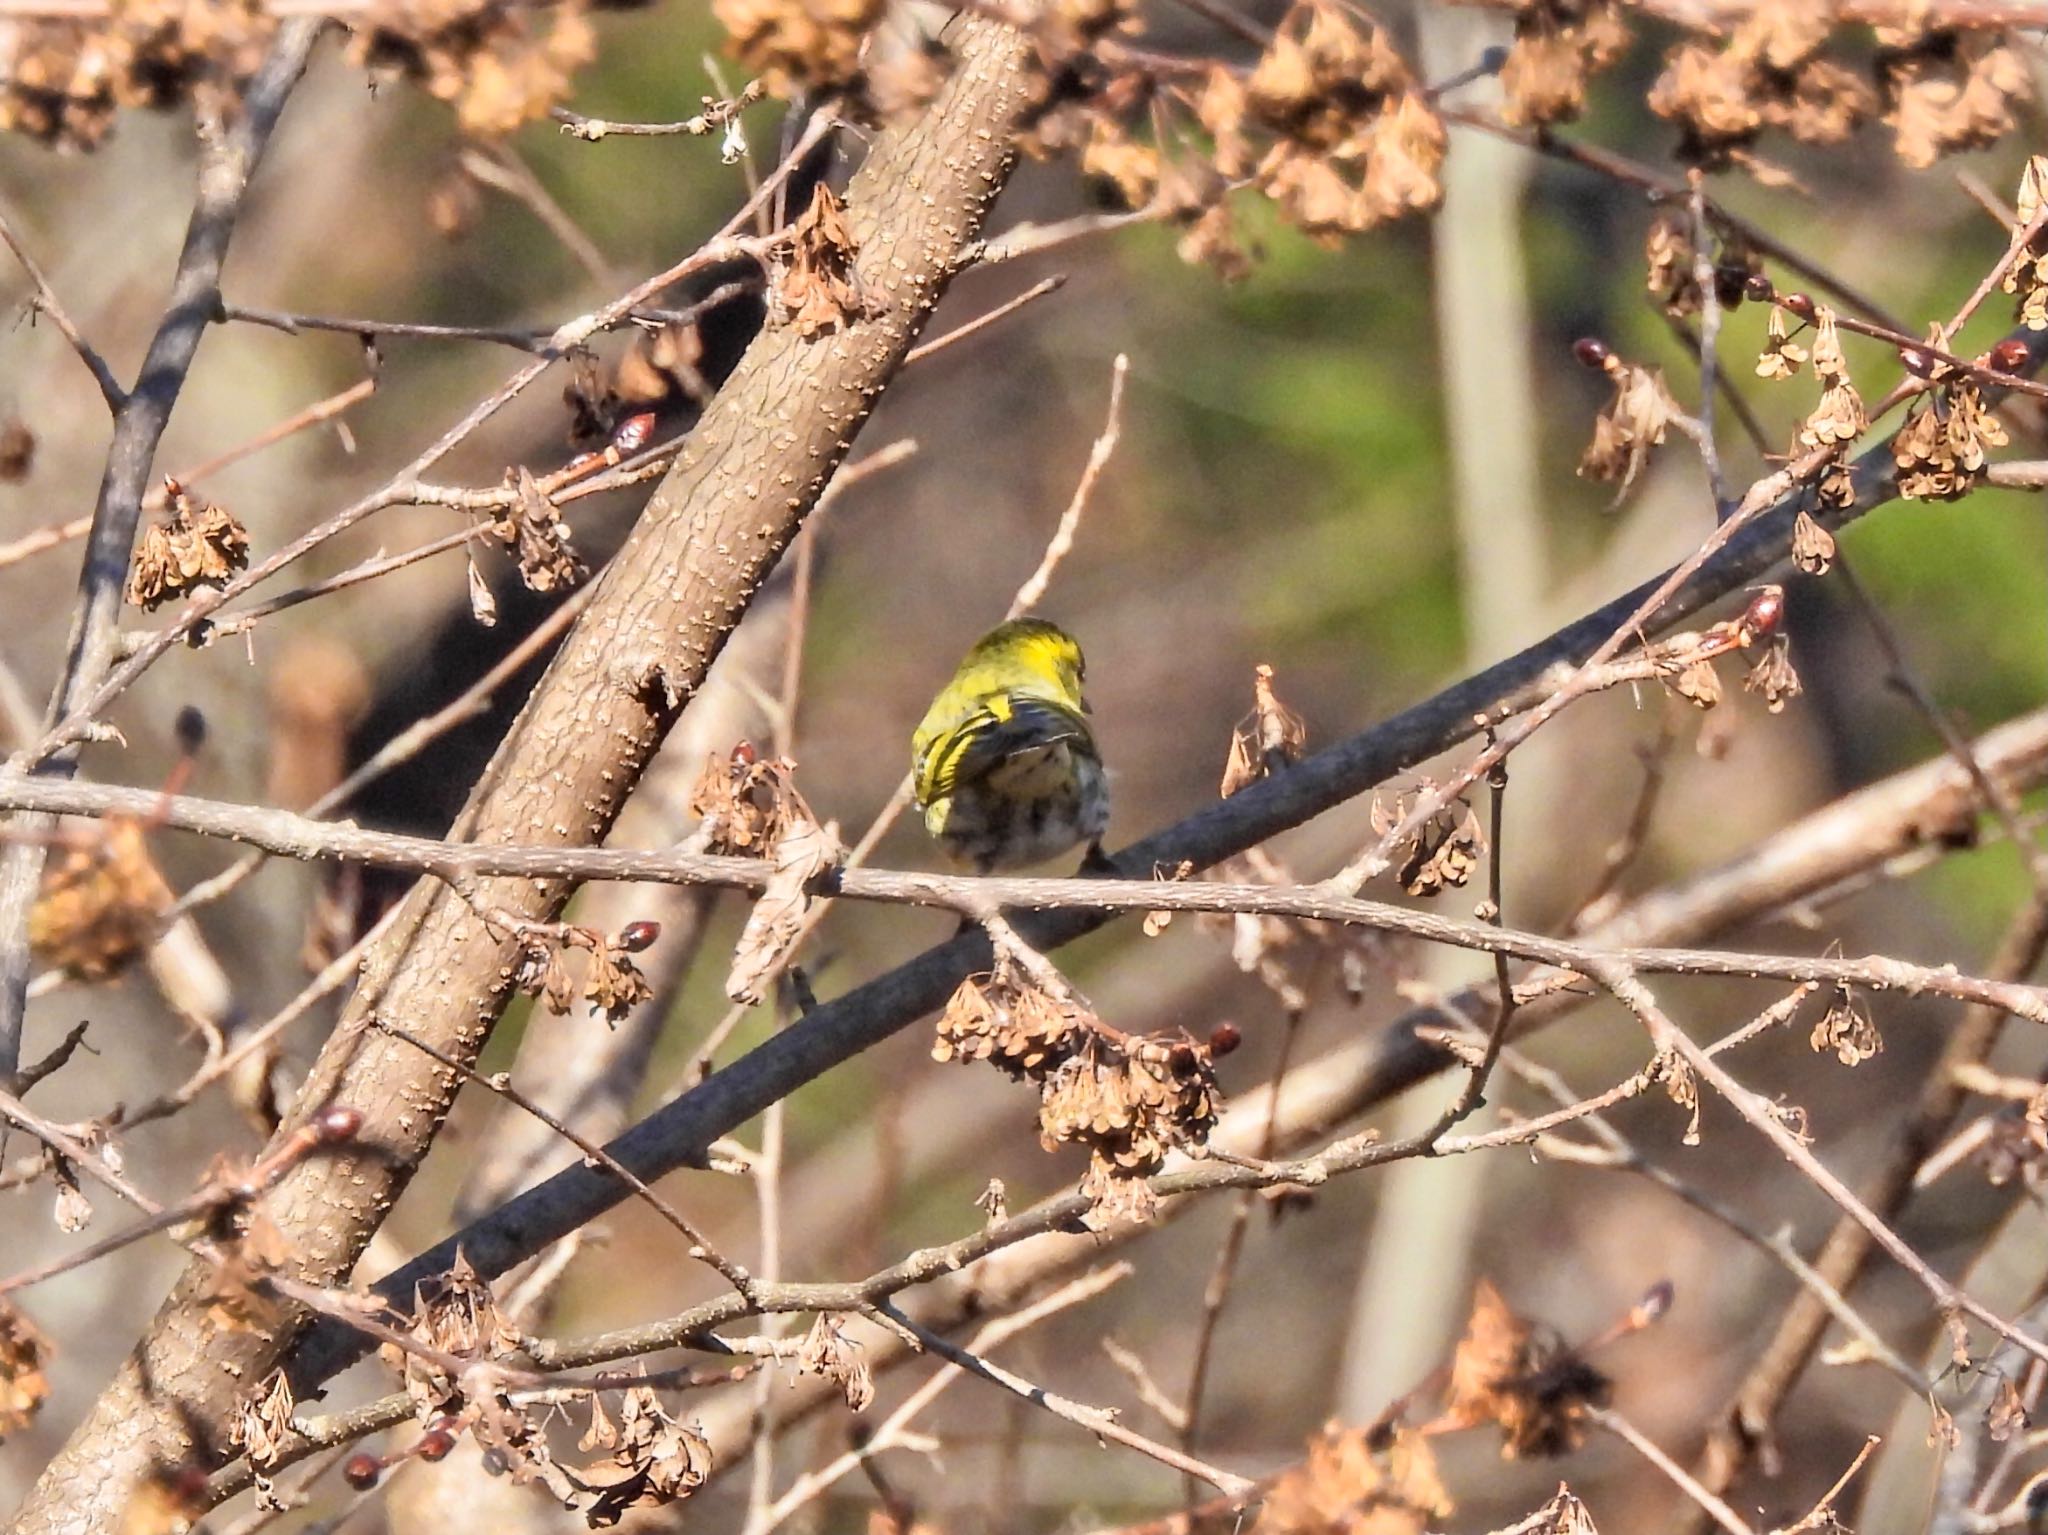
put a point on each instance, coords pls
(997, 731)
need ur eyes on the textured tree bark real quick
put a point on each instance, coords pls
(709, 536)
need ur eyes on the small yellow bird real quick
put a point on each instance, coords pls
(1006, 769)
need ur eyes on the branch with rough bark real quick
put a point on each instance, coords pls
(753, 467)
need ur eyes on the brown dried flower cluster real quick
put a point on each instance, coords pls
(61, 82)
(100, 906)
(1264, 741)
(1839, 418)
(197, 545)
(802, 854)
(746, 803)
(1767, 73)
(533, 529)
(454, 1314)
(260, 1427)
(1559, 45)
(1671, 265)
(1128, 1098)
(1946, 90)
(828, 1352)
(1355, 143)
(1632, 423)
(499, 62)
(1354, 1481)
(819, 291)
(1772, 676)
(612, 984)
(1940, 449)
(1846, 1029)
(1003, 1019)
(1507, 1371)
(23, 1384)
(1440, 853)
(653, 1459)
(2027, 275)
(799, 45)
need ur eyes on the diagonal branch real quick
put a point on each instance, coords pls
(751, 471)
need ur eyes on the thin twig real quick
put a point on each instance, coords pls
(701, 1246)
(1096, 1420)
(47, 302)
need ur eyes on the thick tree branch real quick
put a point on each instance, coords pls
(739, 490)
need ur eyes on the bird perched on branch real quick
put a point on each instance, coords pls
(1006, 768)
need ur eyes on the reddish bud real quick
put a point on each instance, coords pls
(1765, 612)
(634, 432)
(1797, 303)
(1591, 352)
(334, 1125)
(435, 1444)
(1916, 362)
(1224, 1038)
(1757, 288)
(2010, 355)
(744, 754)
(361, 1471)
(637, 937)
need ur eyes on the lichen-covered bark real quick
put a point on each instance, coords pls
(708, 538)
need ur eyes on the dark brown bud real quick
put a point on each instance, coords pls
(634, 432)
(435, 1444)
(637, 937)
(1757, 288)
(744, 754)
(361, 1471)
(2010, 355)
(190, 730)
(1224, 1038)
(1797, 303)
(1656, 1301)
(1916, 362)
(1765, 612)
(1731, 285)
(1591, 352)
(333, 1126)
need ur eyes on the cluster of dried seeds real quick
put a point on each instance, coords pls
(197, 545)
(499, 63)
(1559, 45)
(1128, 1098)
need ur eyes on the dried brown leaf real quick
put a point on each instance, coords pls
(802, 853)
